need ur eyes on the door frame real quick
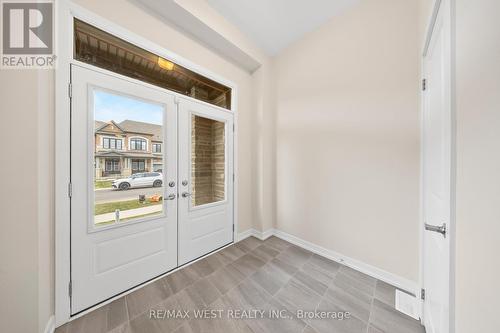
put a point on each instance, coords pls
(449, 18)
(66, 11)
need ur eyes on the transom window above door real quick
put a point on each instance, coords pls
(99, 48)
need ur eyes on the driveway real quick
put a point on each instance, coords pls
(107, 195)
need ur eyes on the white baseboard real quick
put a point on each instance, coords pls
(244, 234)
(51, 325)
(407, 304)
(262, 235)
(377, 273)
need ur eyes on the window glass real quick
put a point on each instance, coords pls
(101, 49)
(207, 160)
(122, 193)
(156, 148)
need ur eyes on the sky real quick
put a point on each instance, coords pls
(109, 106)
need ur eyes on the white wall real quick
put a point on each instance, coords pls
(478, 165)
(347, 136)
(264, 173)
(19, 239)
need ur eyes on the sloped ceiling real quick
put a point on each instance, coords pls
(275, 24)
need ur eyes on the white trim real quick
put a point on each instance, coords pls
(50, 327)
(244, 234)
(397, 281)
(262, 235)
(65, 12)
(431, 24)
(62, 164)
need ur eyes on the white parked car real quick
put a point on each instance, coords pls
(143, 179)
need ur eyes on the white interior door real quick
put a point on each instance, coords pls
(205, 179)
(117, 240)
(437, 176)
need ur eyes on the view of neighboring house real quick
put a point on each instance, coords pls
(128, 147)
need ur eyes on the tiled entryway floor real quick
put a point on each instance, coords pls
(253, 274)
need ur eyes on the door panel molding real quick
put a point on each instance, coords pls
(108, 260)
(208, 226)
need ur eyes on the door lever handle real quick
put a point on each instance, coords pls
(186, 194)
(441, 229)
(170, 197)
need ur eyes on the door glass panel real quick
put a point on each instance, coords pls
(207, 160)
(128, 179)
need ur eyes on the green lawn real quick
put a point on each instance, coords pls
(103, 183)
(110, 207)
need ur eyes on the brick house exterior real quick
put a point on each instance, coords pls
(128, 147)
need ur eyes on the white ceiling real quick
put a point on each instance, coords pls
(274, 24)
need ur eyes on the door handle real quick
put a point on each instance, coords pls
(436, 228)
(186, 194)
(170, 197)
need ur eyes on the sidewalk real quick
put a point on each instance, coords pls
(128, 213)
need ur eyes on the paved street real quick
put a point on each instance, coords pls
(128, 214)
(107, 195)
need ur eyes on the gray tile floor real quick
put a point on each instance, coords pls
(273, 276)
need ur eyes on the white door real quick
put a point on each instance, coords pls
(117, 240)
(205, 179)
(437, 176)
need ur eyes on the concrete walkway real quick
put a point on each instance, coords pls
(128, 213)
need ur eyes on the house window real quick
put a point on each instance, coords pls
(111, 143)
(138, 166)
(156, 147)
(137, 144)
(112, 165)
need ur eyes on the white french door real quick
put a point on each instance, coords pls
(206, 179)
(116, 241)
(124, 233)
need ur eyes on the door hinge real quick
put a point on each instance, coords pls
(233, 177)
(424, 84)
(70, 189)
(233, 127)
(422, 294)
(70, 90)
(70, 288)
